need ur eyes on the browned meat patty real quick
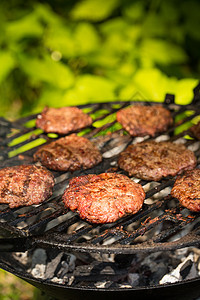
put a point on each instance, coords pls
(103, 198)
(195, 130)
(153, 160)
(187, 189)
(69, 153)
(141, 120)
(25, 185)
(62, 120)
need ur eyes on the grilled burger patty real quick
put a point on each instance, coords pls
(195, 130)
(141, 120)
(103, 198)
(187, 189)
(62, 120)
(153, 160)
(69, 153)
(25, 185)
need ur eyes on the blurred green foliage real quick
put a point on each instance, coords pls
(73, 52)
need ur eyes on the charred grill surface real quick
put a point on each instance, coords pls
(155, 227)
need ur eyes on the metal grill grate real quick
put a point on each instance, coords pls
(161, 224)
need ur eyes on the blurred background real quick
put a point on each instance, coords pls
(61, 53)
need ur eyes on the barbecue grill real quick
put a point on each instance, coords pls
(161, 225)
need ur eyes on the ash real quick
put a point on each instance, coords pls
(111, 271)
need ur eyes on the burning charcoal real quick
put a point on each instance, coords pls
(185, 270)
(103, 284)
(39, 263)
(52, 266)
(133, 279)
(67, 265)
(123, 260)
(39, 257)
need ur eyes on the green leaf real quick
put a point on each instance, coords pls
(114, 26)
(7, 63)
(50, 96)
(153, 26)
(103, 59)
(45, 13)
(86, 39)
(163, 52)
(184, 90)
(59, 38)
(94, 10)
(134, 11)
(152, 84)
(47, 70)
(90, 88)
(28, 26)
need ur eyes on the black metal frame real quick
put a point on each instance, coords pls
(26, 228)
(35, 232)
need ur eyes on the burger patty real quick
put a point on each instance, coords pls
(153, 160)
(187, 189)
(25, 185)
(103, 198)
(141, 120)
(69, 153)
(62, 120)
(195, 130)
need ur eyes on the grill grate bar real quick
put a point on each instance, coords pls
(150, 224)
(32, 221)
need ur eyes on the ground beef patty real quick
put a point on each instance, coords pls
(103, 198)
(187, 189)
(153, 160)
(69, 153)
(25, 185)
(62, 120)
(143, 120)
(195, 130)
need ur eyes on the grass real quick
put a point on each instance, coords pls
(14, 288)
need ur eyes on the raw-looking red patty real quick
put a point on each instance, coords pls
(62, 120)
(25, 185)
(153, 160)
(69, 153)
(140, 120)
(187, 189)
(103, 198)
